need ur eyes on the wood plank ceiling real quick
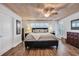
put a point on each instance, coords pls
(28, 10)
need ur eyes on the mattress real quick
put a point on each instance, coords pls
(40, 37)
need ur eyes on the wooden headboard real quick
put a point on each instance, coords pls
(39, 30)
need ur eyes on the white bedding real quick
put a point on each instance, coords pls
(40, 36)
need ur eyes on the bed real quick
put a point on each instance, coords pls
(40, 38)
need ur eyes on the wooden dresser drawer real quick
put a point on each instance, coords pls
(73, 39)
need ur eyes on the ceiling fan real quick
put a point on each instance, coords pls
(50, 9)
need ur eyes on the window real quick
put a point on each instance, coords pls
(39, 25)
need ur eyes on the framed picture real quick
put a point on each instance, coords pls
(75, 24)
(18, 27)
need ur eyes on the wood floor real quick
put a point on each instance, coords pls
(63, 50)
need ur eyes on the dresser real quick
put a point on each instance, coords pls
(73, 39)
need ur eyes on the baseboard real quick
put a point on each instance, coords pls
(3, 52)
(10, 49)
(17, 44)
(63, 39)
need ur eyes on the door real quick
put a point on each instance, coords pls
(61, 29)
(0, 36)
(5, 33)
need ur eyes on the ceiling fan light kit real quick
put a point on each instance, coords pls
(50, 11)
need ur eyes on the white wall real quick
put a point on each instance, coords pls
(66, 24)
(9, 38)
(17, 38)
